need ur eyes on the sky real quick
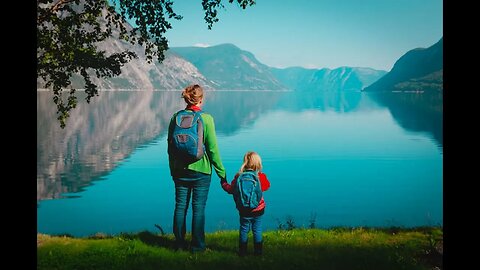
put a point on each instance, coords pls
(315, 33)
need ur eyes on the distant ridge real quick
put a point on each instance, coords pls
(418, 70)
(220, 67)
(229, 67)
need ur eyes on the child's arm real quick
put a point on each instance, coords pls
(229, 187)
(264, 183)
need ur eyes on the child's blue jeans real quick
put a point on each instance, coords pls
(255, 223)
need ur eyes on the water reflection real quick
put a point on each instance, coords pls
(338, 101)
(234, 110)
(101, 134)
(98, 135)
(418, 112)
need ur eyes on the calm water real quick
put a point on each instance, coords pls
(333, 159)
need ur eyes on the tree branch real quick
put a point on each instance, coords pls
(60, 3)
(54, 8)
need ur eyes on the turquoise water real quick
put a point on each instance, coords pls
(333, 159)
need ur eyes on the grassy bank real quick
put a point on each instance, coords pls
(342, 248)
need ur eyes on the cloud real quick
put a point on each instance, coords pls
(203, 45)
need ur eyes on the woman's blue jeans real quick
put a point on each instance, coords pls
(255, 223)
(194, 186)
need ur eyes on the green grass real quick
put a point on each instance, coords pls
(337, 248)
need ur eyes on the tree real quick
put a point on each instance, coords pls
(69, 30)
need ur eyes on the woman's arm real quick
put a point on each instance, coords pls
(212, 147)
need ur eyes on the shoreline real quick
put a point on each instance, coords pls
(335, 248)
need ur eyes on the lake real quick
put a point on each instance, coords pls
(333, 159)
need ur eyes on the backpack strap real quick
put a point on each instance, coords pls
(180, 123)
(255, 175)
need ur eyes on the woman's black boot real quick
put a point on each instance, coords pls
(242, 249)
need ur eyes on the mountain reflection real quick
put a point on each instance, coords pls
(338, 101)
(101, 134)
(97, 136)
(234, 110)
(418, 112)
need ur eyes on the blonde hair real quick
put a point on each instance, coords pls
(192, 94)
(251, 161)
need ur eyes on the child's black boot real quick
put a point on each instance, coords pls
(258, 248)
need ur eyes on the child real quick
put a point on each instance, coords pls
(251, 167)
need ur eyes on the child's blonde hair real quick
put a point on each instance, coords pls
(251, 161)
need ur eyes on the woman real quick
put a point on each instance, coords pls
(192, 180)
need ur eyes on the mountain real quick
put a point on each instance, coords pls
(228, 67)
(343, 78)
(173, 73)
(418, 69)
(223, 66)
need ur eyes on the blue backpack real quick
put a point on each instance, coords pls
(247, 192)
(187, 136)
